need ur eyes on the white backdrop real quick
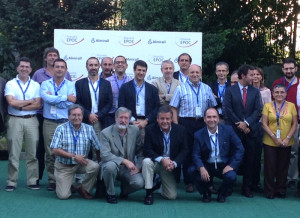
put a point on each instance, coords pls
(76, 46)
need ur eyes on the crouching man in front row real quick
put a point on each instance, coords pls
(165, 149)
(71, 144)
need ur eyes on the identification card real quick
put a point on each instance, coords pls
(278, 133)
(53, 110)
(138, 109)
(198, 111)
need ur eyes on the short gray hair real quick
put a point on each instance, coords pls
(73, 107)
(122, 110)
(166, 62)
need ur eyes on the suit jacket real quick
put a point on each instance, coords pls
(235, 112)
(127, 98)
(214, 87)
(176, 75)
(154, 144)
(111, 148)
(83, 96)
(230, 147)
(3, 105)
(160, 84)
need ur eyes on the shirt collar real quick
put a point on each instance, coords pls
(189, 82)
(241, 87)
(164, 132)
(210, 134)
(17, 78)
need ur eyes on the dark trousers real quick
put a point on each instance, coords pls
(276, 166)
(191, 125)
(229, 179)
(40, 153)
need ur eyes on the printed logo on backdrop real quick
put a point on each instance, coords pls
(150, 41)
(129, 41)
(156, 60)
(93, 40)
(185, 42)
(74, 76)
(72, 40)
(176, 60)
(149, 77)
(101, 56)
(132, 59)
(72, 58)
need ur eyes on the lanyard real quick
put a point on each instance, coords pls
(181, 78)
(215, 143)
(278, 112)
(56, 90)
(95, 90)
(197, 94)
(222, 92)
(137, 92)
(22, 89)
(167, 141)
(287, 89)
(116, 80)
(75, 138)
(168, 87)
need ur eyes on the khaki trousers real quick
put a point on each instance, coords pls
(64, 175)
(168, 180)
(19, 128)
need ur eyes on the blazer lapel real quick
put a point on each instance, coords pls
(207, 139)
(101, 87)
(220, 139)
(162, 84)
(117, 140)
(86, 89)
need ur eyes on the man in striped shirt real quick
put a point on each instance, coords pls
(189, 102)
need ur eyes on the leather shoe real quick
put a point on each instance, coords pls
(148, 199)
(189, 188)
(206, 197)
(248, 193)
(112, 199)
(221, 198)
(51, 186)
(84, 193)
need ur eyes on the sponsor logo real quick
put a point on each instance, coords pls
(129, 41)
(132, 59)
(176, 60)
(149, 77)
(93, 40)
(72, 40)
(74, 77)
(185, 42)
(101, 56)
(150, 41)
(156, 60)
(66, 58)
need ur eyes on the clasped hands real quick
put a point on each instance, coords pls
(243, 127)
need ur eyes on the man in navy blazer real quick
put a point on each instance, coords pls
(243, 107)
(165, 149)
(140, 97)
(94, 95)
(218, 151)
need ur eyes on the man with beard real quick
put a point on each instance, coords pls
(107, 67)
(290, 81)
(121, 145)
(117, 81)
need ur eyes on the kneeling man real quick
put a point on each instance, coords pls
(165, 150)
(217, 152)
(121, 145)
(71, 144)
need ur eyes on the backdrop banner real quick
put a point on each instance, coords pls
(76, 46)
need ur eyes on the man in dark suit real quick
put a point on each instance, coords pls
(184, 62)
(94, 95)
(219, 86)
(3, 105)
(243, 107)
(140, 97)
(218, 151)
(165, 150)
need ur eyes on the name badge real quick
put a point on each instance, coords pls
(53, 110)
(138, 109)
(278, 133)
(198, 111)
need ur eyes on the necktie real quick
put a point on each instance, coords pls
(244, 97)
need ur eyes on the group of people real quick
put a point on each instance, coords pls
(110, 126)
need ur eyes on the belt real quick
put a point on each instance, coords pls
(141, 117)
(25, 116)
(192, 118)
(57, 120)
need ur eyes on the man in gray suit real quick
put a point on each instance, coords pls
(120, 144)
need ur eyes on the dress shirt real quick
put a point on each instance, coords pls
(212, 156)
(182, 78)
(12, 88)
(63, 139)
(94, 96)
(241, 90)
(59, 102)
(221, 94)
(166, 153)
(186, 100)
(115, 86)
(140, 98)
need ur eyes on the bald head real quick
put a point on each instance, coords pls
(195, 74)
